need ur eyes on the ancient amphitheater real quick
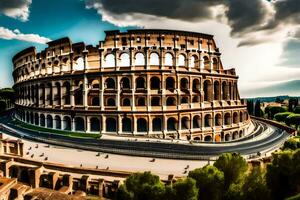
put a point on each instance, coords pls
(152, 83)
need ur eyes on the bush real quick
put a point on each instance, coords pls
(293, 119)
(292, 144)
(273, 110)
(297, 110)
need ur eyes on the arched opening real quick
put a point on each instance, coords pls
(95, 84)
(67, 94)
(208, 138)
(67, 123)
(109, 60)
(154, 83)
(95, 101)
(79, 124)
(57, 96)
(110, 83)
(215, 64)
(241, 117)
(207, 120)
(227, 137)
(126, 102)
(126, 125)
(224, 91)
(196, 85)
(241, 133)
(196, 99)
(185, 123)
(217, 93)
(142, 125)
(193, 61)
(140, 83)
(227, 120)
(49, 94)
(168, 59)
(171, 124)
(57, 120)
(171, 101)
(78, 64)
(196, 121)
(125, 83)
(197, 138)
(49, 121)
(42, 120)
(184, 84)
(206, 63)
(184, 100)
(78, 95)
(139, 59)
(155, 101)
(124, 60)
(31, 118)
(111, 102)
(181, 60)
(154, 59)
(207, 90)
(24, 176)
(94, 124)
(111, 125)
(170, 83)
(235, 118)
(156, 124)
(141, 101)
(36, 119)
(235, 135)
(218, 120)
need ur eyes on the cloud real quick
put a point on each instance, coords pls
(18, 9)
(8, 34)
(249, 20)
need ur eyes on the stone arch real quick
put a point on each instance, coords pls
(67, 123)
(126, 102)
(111, 124)
(95, 101)
(155, 83)
(111, 102)
(126, 125)
(141, 101)
(95, 84)
(94, 124)
(124, 60)
(171, 124)
(185, 123)
(157, 124)
(206, 63)
(215, 64)
(140, 83)
(181, 60)
(142, 125)
(196, 99)
(241, 133)
(110, 60)
(207, 87)
(207, 120)
(57, 96)
(235, 135)
(227, 119)
(139, 59)
(224, 90)
(227, 137)
(196, 85)
(208, 138)
(171, 101)
(196, 121)
(235, 118)
(79, 124)
(246, 116)
(110, 83)
(57, 120)
(198, 138)
(36, 119)
(241, 116)
(49, 121)
(170, 83)
(154, 58)
(218, 119)
(168, 59)
(125, 83)
(184, 84)
(31, 118)
(42, 120)
(78, 64)
(193, 61)
(67, 93)
(155, 101)
(217, 92)
(184, 99)
(78, 94)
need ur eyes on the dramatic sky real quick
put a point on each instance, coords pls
(260, 38)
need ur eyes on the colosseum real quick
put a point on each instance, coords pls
(146, 83)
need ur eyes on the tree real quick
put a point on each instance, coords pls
(272, 110)
(183, 189)
(293, 102)
(283, 174)
(281, 117)
(233, 166)
(297, 110)
(293, 119)
(291, 144)
(209, 181)
(257, 109)
(141, 186)
(255, 186)
(250, 107)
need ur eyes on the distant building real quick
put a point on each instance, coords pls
(152, 83)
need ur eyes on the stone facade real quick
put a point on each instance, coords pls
(153, 83)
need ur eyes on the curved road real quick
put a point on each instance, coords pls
(153, 149)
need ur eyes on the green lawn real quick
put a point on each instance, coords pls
(54, 131)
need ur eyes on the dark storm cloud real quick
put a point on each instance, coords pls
(15, 8)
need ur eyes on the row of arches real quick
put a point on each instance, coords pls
(130, 124)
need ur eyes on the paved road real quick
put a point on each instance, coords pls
(152, 149)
